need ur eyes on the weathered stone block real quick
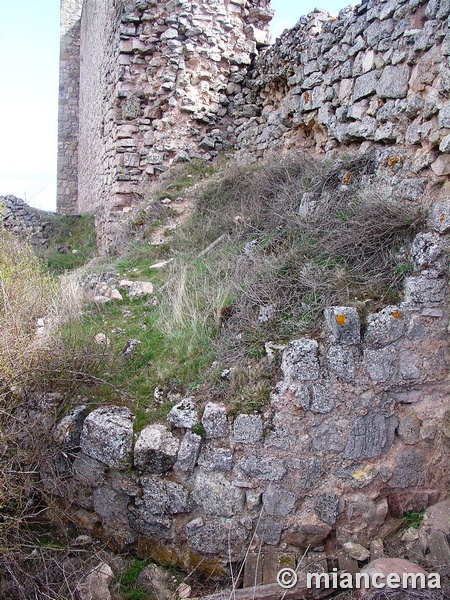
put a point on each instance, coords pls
(317, 398)
(341, 362)
(217, 496)
(386, 326)
(278, 502)
(188, 453)
(423, 290)
(248, 429)
(393, 82)
(382, 364)
(264, 468)
(300, 360)
(427, 254)
(329, 436)
(410, 469)
(344, 324)
(215, 421)
(439, 216)
(307, 530)
(68, 431)
(365, 85)
(88, 470)
(155, 450)
(222, 537)
(441, 166)
(108, 436)
(216, 459)
(164, 497)
(184, 414)
(409, 429)
(269, 530)
(326, 506)
(371, 436)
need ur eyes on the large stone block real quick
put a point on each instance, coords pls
(386, 326)
(371, 436)
(248, 429)
(365, 85)
(278, 502)
(219, 536)
(423, 290)
(327, 506)
(439, 216)
(428, 254)
(215, 421)
(183, 414)
(188, 452)
(68, 431)
(300, 360)
(344, 324)
(410, 469)
(341, 362)
(394, 82)
(217, 496)
(164, 497)
(265, 468)
(108, 436)
(155, 450)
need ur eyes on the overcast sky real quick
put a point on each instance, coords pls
(29, 47)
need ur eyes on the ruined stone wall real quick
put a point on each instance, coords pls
(27, 222)
(69, 89)
(375, 75)
(356, 434)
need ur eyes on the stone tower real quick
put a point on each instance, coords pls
(155, 81)
(69, 89)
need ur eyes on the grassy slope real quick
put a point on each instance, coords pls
(206, 312)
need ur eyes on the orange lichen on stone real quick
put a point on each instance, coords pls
(340, 319)
(393, 161)
(396, 314)
(346, 179)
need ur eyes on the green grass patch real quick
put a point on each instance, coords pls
(72, 243)
(414, 518)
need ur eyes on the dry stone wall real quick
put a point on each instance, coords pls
(375, 75)
(28, 223)
(356, 433)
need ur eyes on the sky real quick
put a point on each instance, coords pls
(29, 54)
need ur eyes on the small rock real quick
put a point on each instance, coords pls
(157, 582)
(131, 347)
(116, 295)
(139, 289)
(356, 551)
(95, 585)
(410, 535)
(101, 339)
